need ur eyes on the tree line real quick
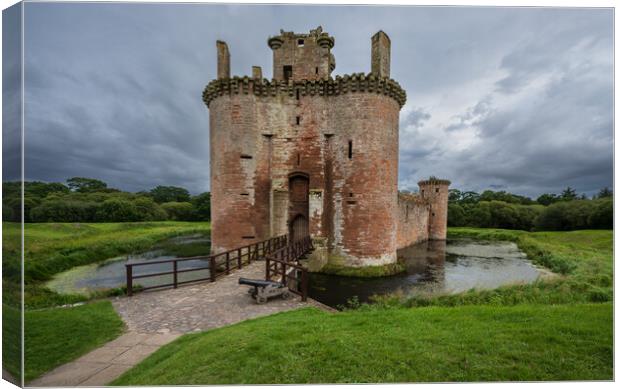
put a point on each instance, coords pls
(549, 212)
(90, 200)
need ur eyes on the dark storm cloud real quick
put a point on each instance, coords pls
(518, 99)
(11, 92)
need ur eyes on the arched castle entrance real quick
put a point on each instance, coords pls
(299, 185)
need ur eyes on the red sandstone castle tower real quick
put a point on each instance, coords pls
(306, 153)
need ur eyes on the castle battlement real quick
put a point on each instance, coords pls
(357, 82)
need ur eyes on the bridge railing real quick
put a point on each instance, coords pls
(282, 265)
(218, 264)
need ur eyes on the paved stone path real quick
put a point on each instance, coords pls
(102, 365)
(154, 318)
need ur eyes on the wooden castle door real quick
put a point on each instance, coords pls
(299, 185)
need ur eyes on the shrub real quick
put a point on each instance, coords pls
(456, 216)
(117, 210)
(602, 216)
(178, 211)
(149, 210)
(62, 210)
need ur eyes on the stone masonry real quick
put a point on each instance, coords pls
(307, 153)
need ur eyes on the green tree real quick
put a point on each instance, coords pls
(202, 206)
(118, 210)
(604, 193)
(568, 194)
(149, 209)
(178, 210)
(547, 199)
(82, 184)
(65, 210)
(456, 215)
(602, 216)
(166, 194)
(454, 195)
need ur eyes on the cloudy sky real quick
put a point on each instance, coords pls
(517, 99)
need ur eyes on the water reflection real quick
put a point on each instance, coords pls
(111, 273)
(434, 267)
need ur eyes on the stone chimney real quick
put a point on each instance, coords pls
(380, 60)
(223, 60)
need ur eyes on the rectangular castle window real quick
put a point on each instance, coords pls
(245, 156)
(350, 149)
(316, 70)
(248, 237)
(298, 120)
(298, 159)
(297, 93)
(436, 190)
(300, 42)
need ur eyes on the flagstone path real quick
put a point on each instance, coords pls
(156, 318)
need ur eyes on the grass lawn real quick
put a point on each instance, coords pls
(51, 248)
(57, 336)
(469, 343)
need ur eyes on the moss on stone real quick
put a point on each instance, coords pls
(365, 271)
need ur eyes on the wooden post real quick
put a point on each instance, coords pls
(228, 262)
(129, 271)
(212, 269)
(304, 285)
(174, 274)
(284, 273)
(267, 268)
(239, 258)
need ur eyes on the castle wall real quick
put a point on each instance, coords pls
(413, 217)
(364, 186)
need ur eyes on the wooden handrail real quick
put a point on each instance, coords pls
(276, 264)
(251, 252)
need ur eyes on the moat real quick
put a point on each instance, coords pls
(435, 267)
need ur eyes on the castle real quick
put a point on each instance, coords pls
(306, 153)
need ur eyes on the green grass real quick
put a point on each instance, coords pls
(11, 341)
(51, 248)
(472, 343)
(56, 336)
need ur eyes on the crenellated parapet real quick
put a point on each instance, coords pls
(434, 181)
(412, 198)
(357, 82)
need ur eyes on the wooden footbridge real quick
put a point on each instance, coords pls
(281, 256)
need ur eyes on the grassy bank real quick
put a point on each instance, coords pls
(57, 336)
(472, 343)
(51, 248)
(583, 261)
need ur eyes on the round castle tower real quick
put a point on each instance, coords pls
(435, 191)
(307, 153)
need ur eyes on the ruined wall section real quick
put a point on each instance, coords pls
(413, 216)
(435, 191)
